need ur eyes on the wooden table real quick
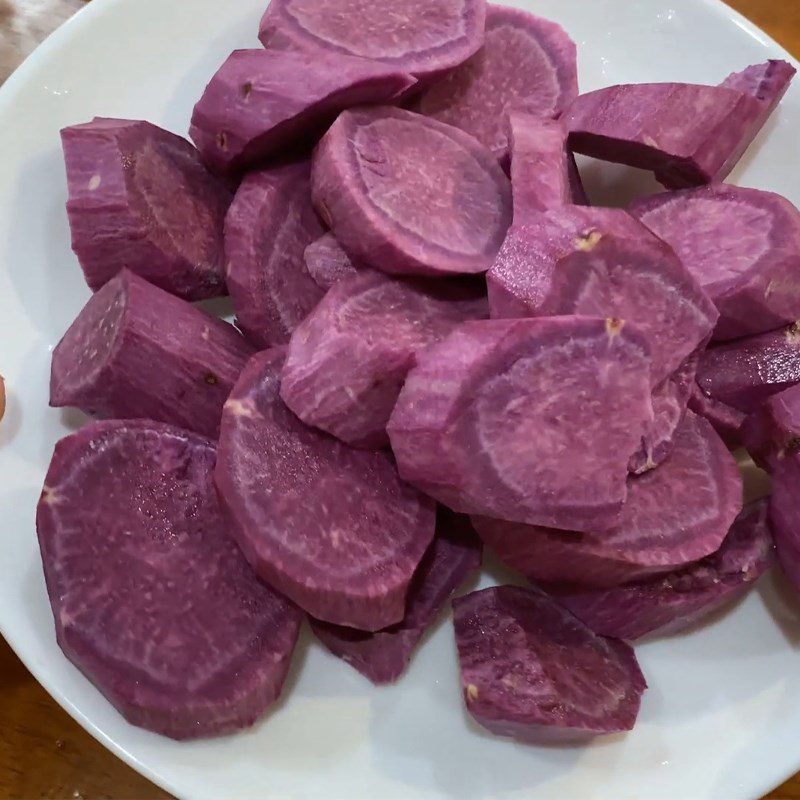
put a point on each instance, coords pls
(44, 754)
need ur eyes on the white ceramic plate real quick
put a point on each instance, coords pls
(722, 716)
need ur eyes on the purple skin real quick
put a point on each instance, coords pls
(656, 534)
(526, 63)
(784, 513)
(541, 164)
(136, 352)
(268, 227)
(139, 198)
(670, 401)
(327, 263)
(532, 671)
(426, 38)
(337, 532)
(772, 431)
(768, 82)
(745, 373)
(152, 599)
(348, 360)
(742, 246)
(409, 195)
(602, 262)
(382, 657)
(671, 603)
(726, 421)
(688, 134)
(261, 101)
(485, 418)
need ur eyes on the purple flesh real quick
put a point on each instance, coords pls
(532, 671)
(137, 352)
(139, 198)
(383, 656)
(602, 262)
(742, 246)
(541, 165)
(670, 401)
(674, 515)
(410, 195)
(670, 603)
(526, 63)
(337, 531)
(268, 227)
(348, 360)
(327, 263)
(260, 101)
(152, 599)
(725, 420)
(530, 420)
(772, 431)
(422, 37)
(688, 134)
(784, 513)
(744, 373)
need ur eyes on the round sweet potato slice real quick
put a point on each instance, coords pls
(390, 213)
(331, 527)
(152, 599)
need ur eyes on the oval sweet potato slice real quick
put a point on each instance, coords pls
(422, 37)
(152, 599)
(742, 246)
(526, 62)
(449, 217)
(656, 534)
(670, 603)
(532, 671)
(532, 419)
(331, 527)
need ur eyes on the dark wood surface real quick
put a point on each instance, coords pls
(44, 754)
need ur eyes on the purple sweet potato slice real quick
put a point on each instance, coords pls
(532, 671)
(670, 603)
(674, 515)
(767, 82)
(541, 165)
(384, 655)
(772, 431)
(260, 101)
(268, 227)
(726, 420)
(327, 262)
(331, 527)
(688, 134)
(526, 62)
(388, 213)
(531, 420)
(744, 373)
(784, 513)
(742, 246)
(137, 352)
(152, 599)
(140, 198)
(670, 401)
(602, 262)
(423, 37)
(348, 360)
